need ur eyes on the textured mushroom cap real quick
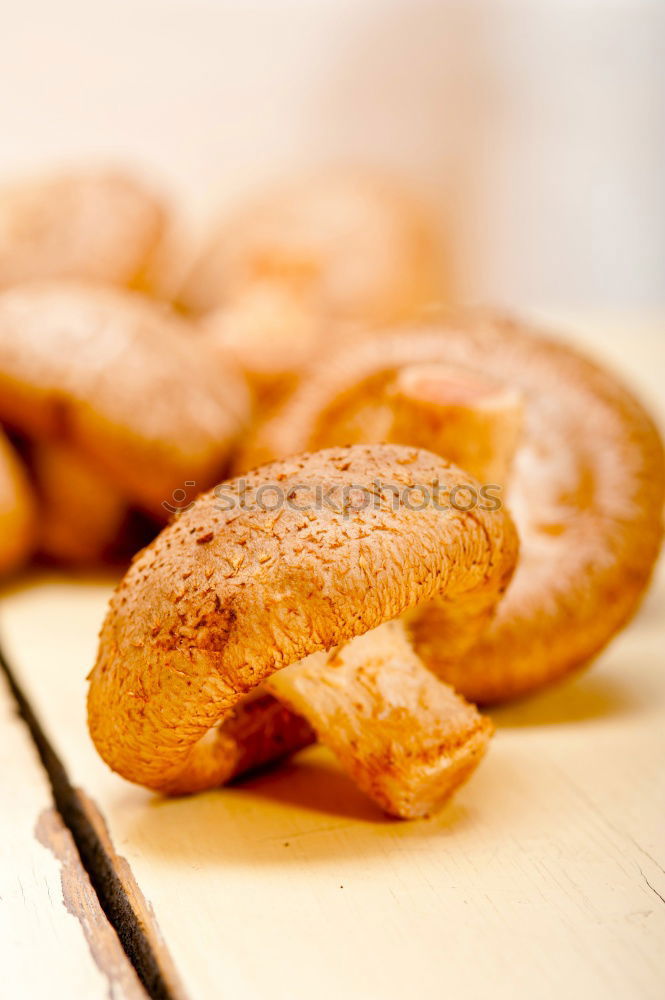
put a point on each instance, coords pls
(230, 593)
(586, 489)
(17, 510)
(115, 376)
(93, 224)
(357, 241)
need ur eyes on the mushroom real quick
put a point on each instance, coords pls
(474, 421)
(327, 256)
(81, 513)
(586, 485)
(111, 378)
(91, 224)
(298, 558)
(271, 332)
(355, 242)
(17, 510)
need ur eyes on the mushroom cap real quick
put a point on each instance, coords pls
(91, 224)
(115, 377)
(231, 592)
(586, 488)
(356, 240)
(17, 510)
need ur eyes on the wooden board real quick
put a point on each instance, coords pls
(546, 872)
(54, 937)
(545, 877)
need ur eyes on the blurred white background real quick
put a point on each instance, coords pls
(535, 127)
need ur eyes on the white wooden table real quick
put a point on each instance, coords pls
(545, 877)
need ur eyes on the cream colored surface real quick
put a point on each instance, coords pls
(45, 951)
(545, 877)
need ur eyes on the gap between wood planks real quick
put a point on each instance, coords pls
(119, 895)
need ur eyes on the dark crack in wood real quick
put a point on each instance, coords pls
(119, 895)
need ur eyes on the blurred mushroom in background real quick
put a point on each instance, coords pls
(272, 332)
(83, 517)
(319, 258)
(121, 404)
(96, 224)
(17, 511)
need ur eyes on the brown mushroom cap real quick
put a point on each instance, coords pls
(355, 240)
(116, 377)
(90, 224)
(230, 593)
(586, 489)
(17, 510)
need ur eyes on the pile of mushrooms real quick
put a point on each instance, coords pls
(112, 407)
(387, 583)
(317, 260)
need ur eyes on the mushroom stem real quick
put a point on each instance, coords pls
(405, 738)
(81, 512)
(466, 418)
(260, 731)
